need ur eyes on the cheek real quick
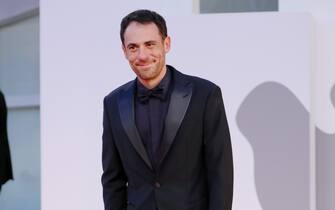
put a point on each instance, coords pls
(131, 57)
(158, 53)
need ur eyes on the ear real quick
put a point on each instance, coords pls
(167, 44)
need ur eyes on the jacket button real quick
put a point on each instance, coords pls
(157, 185)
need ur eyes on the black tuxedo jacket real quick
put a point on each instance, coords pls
(5, 162)
(195, 171)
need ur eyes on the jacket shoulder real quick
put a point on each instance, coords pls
(196, 81)
(114, 94)
(201, 83)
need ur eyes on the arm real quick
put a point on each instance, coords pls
(113, 178)
(218, 153)
(3, 118)
(5, 160)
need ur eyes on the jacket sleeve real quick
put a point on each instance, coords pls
(6, 172)
(218, 153)
(114, 180)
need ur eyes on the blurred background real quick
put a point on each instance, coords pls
(20, 83)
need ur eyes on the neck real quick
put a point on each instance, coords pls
(151, 83)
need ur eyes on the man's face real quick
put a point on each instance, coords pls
(145, 50)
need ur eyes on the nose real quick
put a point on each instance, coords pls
(142, 54)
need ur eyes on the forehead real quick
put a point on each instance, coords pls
(138, 33)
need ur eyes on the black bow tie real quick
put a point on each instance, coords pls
(145, 94)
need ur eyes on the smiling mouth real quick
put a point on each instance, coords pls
(144, 65)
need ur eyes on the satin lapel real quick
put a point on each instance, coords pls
(179, 102)
(127, 115)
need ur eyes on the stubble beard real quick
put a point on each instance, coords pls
(151, 73)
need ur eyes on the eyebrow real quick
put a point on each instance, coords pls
(150, 42)
(131, 45)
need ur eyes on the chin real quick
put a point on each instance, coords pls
(146, 76)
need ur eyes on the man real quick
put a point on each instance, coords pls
(166, 143)
(5, 162)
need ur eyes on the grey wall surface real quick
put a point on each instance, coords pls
(219, 6)
(24, 138)
(19, 58)
(19, 78)
(11, 8)
(325, 160)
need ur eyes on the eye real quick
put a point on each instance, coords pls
(150, 44)
(131, 48)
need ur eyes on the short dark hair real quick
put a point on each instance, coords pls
(144, 16)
